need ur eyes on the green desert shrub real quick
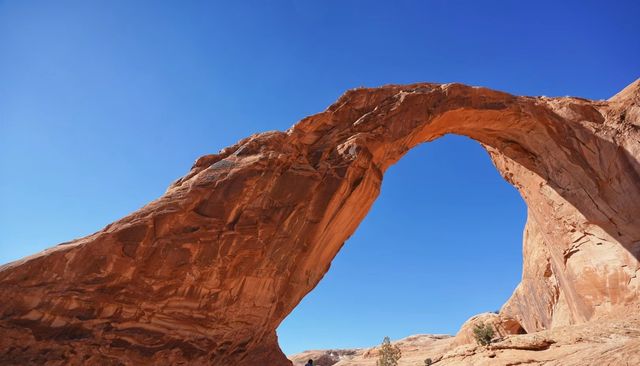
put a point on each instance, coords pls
(483, 333)
(389, 354)
(428, 362)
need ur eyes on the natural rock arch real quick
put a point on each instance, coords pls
(206, 273)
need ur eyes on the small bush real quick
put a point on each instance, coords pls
(389, 354)
(483, 333)
(428, 362)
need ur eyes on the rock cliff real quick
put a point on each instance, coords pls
(205, 274)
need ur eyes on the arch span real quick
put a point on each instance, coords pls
(207, 272)
(441, 210)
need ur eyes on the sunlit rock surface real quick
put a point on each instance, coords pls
(612, 340)
(205, 274)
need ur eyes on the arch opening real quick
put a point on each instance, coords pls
(420, 261)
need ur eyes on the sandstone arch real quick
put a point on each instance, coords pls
(206, 273)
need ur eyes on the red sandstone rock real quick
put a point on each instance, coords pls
(205, 274)
(612, 340)
(501, 324)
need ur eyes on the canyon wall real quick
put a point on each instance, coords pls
(205, 274)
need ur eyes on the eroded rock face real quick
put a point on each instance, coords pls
(205, 274)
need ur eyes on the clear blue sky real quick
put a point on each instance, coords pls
(104, 103)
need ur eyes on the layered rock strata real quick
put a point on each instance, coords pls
(205, 274)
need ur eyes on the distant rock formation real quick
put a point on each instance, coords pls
(414, 351)
(205, 274)
(326, 357)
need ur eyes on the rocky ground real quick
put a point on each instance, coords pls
(613, 340)
(414, 349)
